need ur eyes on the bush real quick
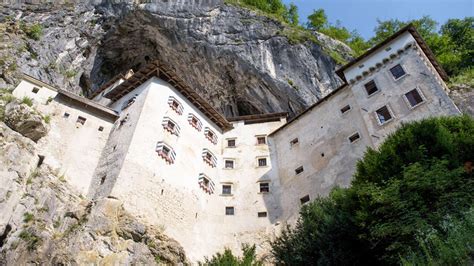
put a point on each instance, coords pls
(404, 190)
(228, 259)
(27, 100)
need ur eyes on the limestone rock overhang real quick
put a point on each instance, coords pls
(161, 71)
(416, 35)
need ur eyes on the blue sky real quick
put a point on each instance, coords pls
(362, 15)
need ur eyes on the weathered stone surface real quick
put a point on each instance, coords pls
(463, 97)
(45, 221)
(25, 120)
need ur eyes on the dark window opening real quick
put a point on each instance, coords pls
(101, 128)
(35, 90)
(165, 150)
(304, 199)
(262, 214)
(226, 189)
(371, 87)
(262, 162)
(354, 137)
(231, 143)
(322, 154)
(229, 211)
(66, 115)
(383, 115)
(345, 108)
(261, 140)
(229, 164)
(81, 120)
(264, 187)
(414, 97)
(294, 141)
(299, 170)
(397, 71)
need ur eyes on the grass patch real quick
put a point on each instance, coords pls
(47, 119)
(33, 31)
(27, 100)
(28, 217)
(31, 239)
(70, 73)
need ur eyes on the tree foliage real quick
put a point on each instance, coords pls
(410, 201)
(228, 259)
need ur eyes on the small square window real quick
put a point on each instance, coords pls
(261, 140)
(170, 125)
(231, 143)
(345, 109)
(414, 97)
(35, 90)
(371, 87)
(165, 150)
(299, 170)
(262, 162)
(264, 187)
(66, 115)
(226, 189)
(294, 141)
(229, 211)
(262, 214)
(304, 199)
(354, 137)
(397, 71)
(101, 128)
(81, 120)
(229, 164)
(383, 115)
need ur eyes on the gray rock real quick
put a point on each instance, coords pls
(25, 120)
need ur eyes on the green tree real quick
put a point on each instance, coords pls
(292, 16)
(317, 20)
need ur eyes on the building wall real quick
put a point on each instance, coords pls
(71, 148)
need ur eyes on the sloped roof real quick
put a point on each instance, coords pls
(159, 70)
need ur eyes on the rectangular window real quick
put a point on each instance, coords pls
(226, 189)
(299, 170)
(209, 158)
(170, 126)
(397, 71)
(210, 135)
(195, 122)
(354, 137)
(229, 211)
(371, 87)
(66, 115)
(231, 143)
(165, 152)
(81, 120)
(205, 183)
(304, 199)
(101, 128)
(229, 164)
(262, 214)
(413, 98)
(261, 140)
(294, 141)
(262, 162)
(264, 187)
(383, 115)
(175, 105)
(35, 90)
(345, 109)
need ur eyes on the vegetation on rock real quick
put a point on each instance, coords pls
(410, 202)
(33, 31)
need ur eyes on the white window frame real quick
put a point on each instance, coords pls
(394, 65)
(423, 98)
(391, 114)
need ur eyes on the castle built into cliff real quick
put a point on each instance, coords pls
(149, 140)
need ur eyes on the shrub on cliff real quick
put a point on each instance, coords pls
(418, 181)
(227, 258)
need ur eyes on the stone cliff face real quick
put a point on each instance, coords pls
(239, 61)
(45, 221)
